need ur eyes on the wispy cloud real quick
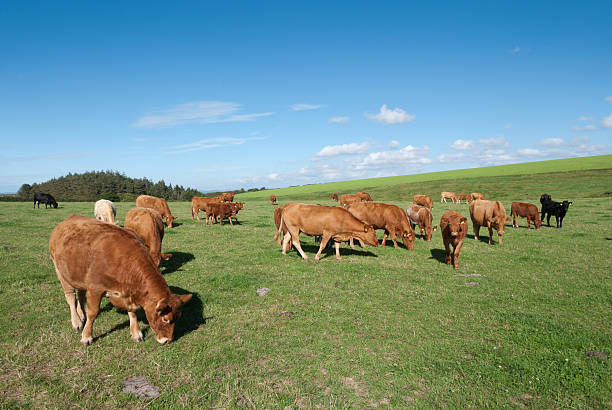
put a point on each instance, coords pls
(344, 149)
(559, 148)
(210, 143)
(401, 160)
(198, 112)
(394, 144)
(494, 142)
(394, 116)
(609, 98)
(589, 127)
(339, 120)
(607, 121)
(583, 118)
(305, 107)
(462, 144)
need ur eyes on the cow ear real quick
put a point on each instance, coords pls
(161, 306)
(443, 223)
(185, 298)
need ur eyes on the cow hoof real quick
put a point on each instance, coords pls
(86, 341)
(139, 337)
(475, 237)
(490, 242)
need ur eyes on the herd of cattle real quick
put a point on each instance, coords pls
(95, 258)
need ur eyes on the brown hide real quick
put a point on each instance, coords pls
(389, 217)
(200, 203)
(421, 216)
(464, 197)
(104, 210)
(448, 195)
(96, 259)
(364, 196)
(334, 197)
(525, 210)
(423, 200)
(273, 199)
(490, 214)
(159, 204)
(348, 199)
(453, 227)
(476, 195)
(148, 224)
(330, 222)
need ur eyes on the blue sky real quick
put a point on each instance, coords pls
(274, 94)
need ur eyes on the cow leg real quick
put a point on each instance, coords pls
(80, 308)
(296, 242)
(76, 319)
(134, 329)
(422, 234)
(384, 239)
(448, 253)
(326, 237)
(490, 235)
(529, 223)
(476, 230)
(457, 251)
(93, 308)
(351, 243)
(561, 222)
(286, 241)
(392, 235)
(337, 245)
(514, 224)
(557, 219)
(230, 220)
(547, 219)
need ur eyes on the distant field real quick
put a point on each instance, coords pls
(528, 168)
(383, 327)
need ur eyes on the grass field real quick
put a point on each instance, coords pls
(382, 327)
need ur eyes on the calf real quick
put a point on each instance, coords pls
(227, 196)
(525, 210)
(464, 197)
(423, 200)
(550, 207)
(331, 222)
(200, 203)
(421, 216)
(94, 259)
(220, 210)
(159, 204)
(389, 217)
(272, 199)
(104, 210)
(334, 197)
(490, 214)
(454, 227)
(46, 199)
(448, 195)
(148, 224)
(364, 196)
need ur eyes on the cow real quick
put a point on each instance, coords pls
(148, 224)
(94, 259)
(159, 204)
(227, 197)
(348, 199)
(220, 210)
(491, 214)
(331, 222)
(364, 196)
(272, 199)
(453, 227)
(465, 197)
(421, 216)
(104, 210)
(525, 210)
(389, 217)
(476, 195)
(200, 203)
(46, 199)
(550, 207)
(448, 195)
(424, 200)
(334, 197)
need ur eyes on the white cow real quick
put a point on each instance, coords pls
(105, 211)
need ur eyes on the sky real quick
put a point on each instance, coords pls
(230, 95)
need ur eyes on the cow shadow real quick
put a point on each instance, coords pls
(175, 225)
(177, 260)
(481, 238)
(439, 255)
(331, 251)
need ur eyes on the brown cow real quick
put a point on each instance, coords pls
(331, 222)
(348, 199)
(159, 204)
(454, 227)
(528, 211)
(448, 195)
(421, 216)
(490, 214)
(148, 224)
(389, 217)
(476, 195)
(272, 199)
(334, 197)
(465, 197)
(200, 203)
(96, 259)
(364, 196)
(220, 210)
(423, 200)
(227, 196)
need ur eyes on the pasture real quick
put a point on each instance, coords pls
(382, 327)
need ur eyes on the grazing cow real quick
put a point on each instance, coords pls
(448, 195)
(550, 207)
(389, 217)
(423, 200)
(364, 196)
(348, 199)
(220, 210)
(421, 216)
(200, 203)
(227, 197)
(96, 259)
(454, 227)
(334, 197)
(104, 210)
(525, 210)
(46, 199)
(476, 195)
(491, 214)
(159, 204)
(465, 197)
(148, 224)
(272, 199)
(331, 222)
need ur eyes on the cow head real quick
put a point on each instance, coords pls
(170, 219)
(537, 222)
(454, 226)
(369, 235)
(54, 204)
(565, 206)
(545, 198)
(164, 315)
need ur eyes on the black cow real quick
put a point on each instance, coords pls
(44, 199)
(550, 207)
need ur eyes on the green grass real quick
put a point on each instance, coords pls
(385, 327)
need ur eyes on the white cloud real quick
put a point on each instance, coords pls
(516, 50)
(339, 120)
(609, 98)
(583, 118)
(197, 112)
(273, 176)
(210, 143)
(462, 144)
(529, 151)
(589, 127)
(551, 142)
(344, 149)
(394, 144)
(607, 121)
(401, 160)
(494, 142)
(304, 107)
(394, 116)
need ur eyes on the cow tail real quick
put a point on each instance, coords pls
(277, 236)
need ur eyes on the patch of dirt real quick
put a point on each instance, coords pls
(357, 387)
(597, 354)
(141, 387)
(472, 283)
